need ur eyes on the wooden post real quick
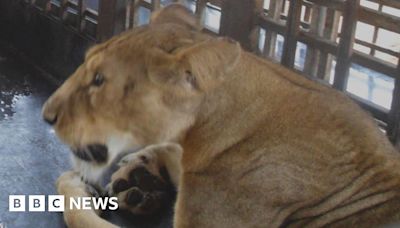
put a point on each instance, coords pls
(238, 20)
(345, 51)
(293, 28)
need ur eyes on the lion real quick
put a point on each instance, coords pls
(246, 142)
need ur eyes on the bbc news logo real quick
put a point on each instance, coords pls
(56, 203)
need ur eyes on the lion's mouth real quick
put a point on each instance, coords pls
(97, 153)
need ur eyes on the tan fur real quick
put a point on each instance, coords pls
(70, 185)
(263, 146)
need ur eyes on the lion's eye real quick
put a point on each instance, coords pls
(98, 79)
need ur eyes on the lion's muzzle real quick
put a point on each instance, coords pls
(49, 114)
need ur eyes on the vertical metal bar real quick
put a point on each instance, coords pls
(292, 30)
(275, 10)
(307, 14)
(345, 51)
(111, 19)
(317, 26)
(80, 16)
(200, 7)
(47, 6)
(106, 19)
(237, 20)
(331, 33)
(375, 36)
(120, 16)
(156, 5)
(130, 10)
(393, 130)
(63, 8)
(43, 5)
(255, 33)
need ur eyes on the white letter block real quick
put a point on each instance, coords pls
(37, 203)
(16, 203)
(56, 203)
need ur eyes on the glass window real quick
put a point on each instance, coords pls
(371, 85)
(212, 18)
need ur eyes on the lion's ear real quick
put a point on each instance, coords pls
(177, 14)
(200, 67)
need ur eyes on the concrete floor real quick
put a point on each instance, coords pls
(31, 157)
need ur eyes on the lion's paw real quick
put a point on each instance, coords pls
(140, 184)
(69, 180)
(71, 184)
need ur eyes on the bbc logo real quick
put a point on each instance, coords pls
(36, 203)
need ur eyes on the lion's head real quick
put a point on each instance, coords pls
(144, 86)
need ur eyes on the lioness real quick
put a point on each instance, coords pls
(262, 146)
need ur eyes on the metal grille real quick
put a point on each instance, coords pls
(340, 43)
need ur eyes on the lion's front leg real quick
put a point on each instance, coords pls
(70, 185)
(143, 181)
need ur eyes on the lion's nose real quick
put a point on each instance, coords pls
(49, 114)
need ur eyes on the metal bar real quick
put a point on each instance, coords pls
(376, 111)
(346, 44)
(200, 7)
(394, 115)
(237, 20)
(308, 13)
(374, 64)
(106, 19)
(318, 42)
(63, 8)
(293, 28)
(156, 5)
(304, 25)
(80, 15)
(317, 26)
(332, 4)
(375, 36)
(330, 33)
(269, 24)
(391, 3)
(216, 2)
(274, 14)
(43, 5)
(379, 19)
(377, 48)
